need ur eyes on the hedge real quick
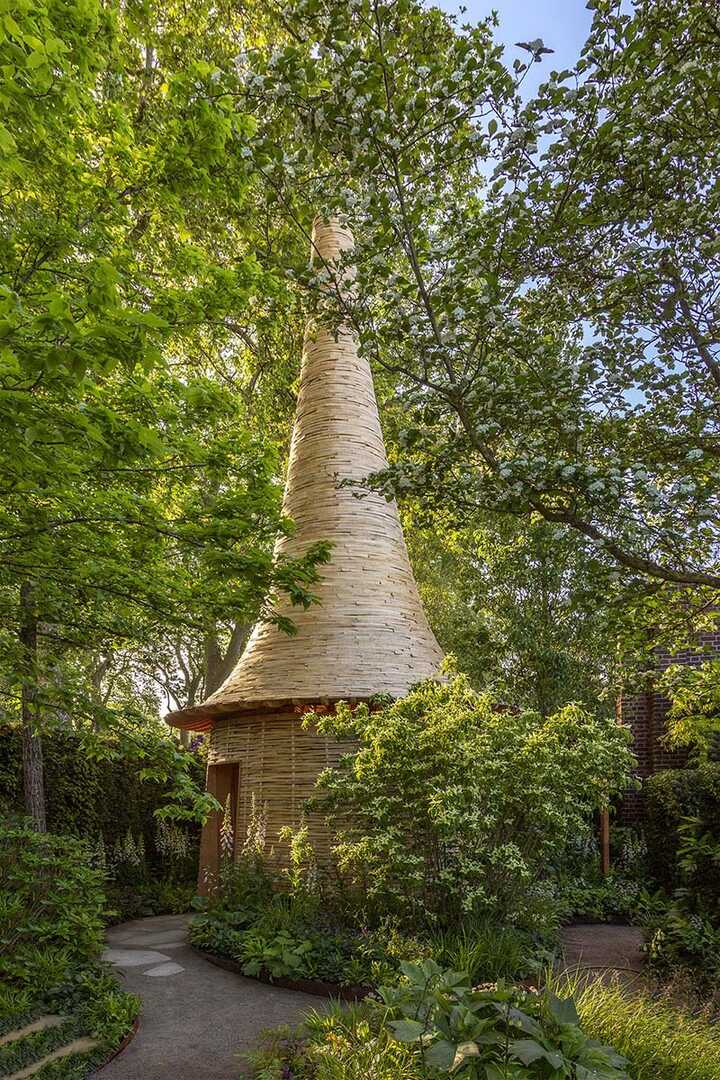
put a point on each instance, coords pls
(85, 798)
(668, 797)
(51, 910)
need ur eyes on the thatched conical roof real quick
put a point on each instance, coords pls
(368, 634)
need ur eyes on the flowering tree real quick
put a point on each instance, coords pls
(539, 280)
(452, 808)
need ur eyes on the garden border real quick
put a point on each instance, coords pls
(123, 1045)
(304, 986)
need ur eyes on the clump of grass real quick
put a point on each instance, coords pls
(348, 1042)
(486, 953)
(660, 1041)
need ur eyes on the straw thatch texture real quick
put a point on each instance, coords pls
(280, 761)
(369, 633)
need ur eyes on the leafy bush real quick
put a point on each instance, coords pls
(670, 797)
(91, 1003)
(450, 808)
(491, 1033)
(488, 953)
(660, 1041)
(685, 932)
(435, 1025)
(51, 906)
(291, 946)
(139, 901)
(603, 899)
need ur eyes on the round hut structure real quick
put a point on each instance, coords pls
(367, 634)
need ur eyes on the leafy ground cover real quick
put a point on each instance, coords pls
(51, 927)
(434, 1024)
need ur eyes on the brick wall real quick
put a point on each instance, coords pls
(644, 713)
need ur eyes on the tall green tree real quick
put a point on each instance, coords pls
(517, 603)
(539, 278)
(134, 318)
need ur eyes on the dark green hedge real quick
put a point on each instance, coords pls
(85, 798)
(668, 797)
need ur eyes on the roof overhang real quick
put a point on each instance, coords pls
(202, 718)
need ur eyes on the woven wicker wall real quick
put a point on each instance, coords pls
(279, 762)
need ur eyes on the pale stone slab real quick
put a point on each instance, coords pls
(165, 969)
(41, 1024)
(78, 1046)
(133, 957)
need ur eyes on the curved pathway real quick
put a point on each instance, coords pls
(604, 951)
(197, 1020)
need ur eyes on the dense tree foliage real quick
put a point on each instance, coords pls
(139, 498)
(536, 288)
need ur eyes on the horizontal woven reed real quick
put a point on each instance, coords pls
(368, 634)
(279, 761)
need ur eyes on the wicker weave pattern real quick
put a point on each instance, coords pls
(369, 632)
(280, 761)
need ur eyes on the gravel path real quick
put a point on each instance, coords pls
(197, 1020)
(604, 950)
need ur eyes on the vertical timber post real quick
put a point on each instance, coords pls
(604, 841)
(222, 781)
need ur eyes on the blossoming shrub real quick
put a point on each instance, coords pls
(452, 809)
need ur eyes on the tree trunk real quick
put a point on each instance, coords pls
(32, 752)
(218, 665)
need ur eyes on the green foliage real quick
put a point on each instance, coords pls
(693, 719)
(450, 808)
(660, 1041)
(141, 499)
(493, 1033)
(93, 1005)
(541, 302)
(51, 907)
(432, 1025)
(683, 829)
(517, 607)
(488, 952)
(286, 940)
(670, 797)
(601, 899)
(93, 791)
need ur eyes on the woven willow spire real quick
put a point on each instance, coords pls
(368, 634)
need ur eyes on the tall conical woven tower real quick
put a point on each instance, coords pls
(368, 633)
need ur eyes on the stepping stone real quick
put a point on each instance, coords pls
(155, 941)
(165, 969)
(133, 957)
(77, 1046)
(41, 1024)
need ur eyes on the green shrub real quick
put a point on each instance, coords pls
(670, 797)
(435, 1025)
(488, 953)
(603, 899)
(92, 1004)
(451, 809)
(51, 907)
(659, 1041)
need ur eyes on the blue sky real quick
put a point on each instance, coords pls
(562, 24)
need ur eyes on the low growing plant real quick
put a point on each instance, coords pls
(51, 907)
(435, 1025)
(494, 1033)
(660, 1041)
